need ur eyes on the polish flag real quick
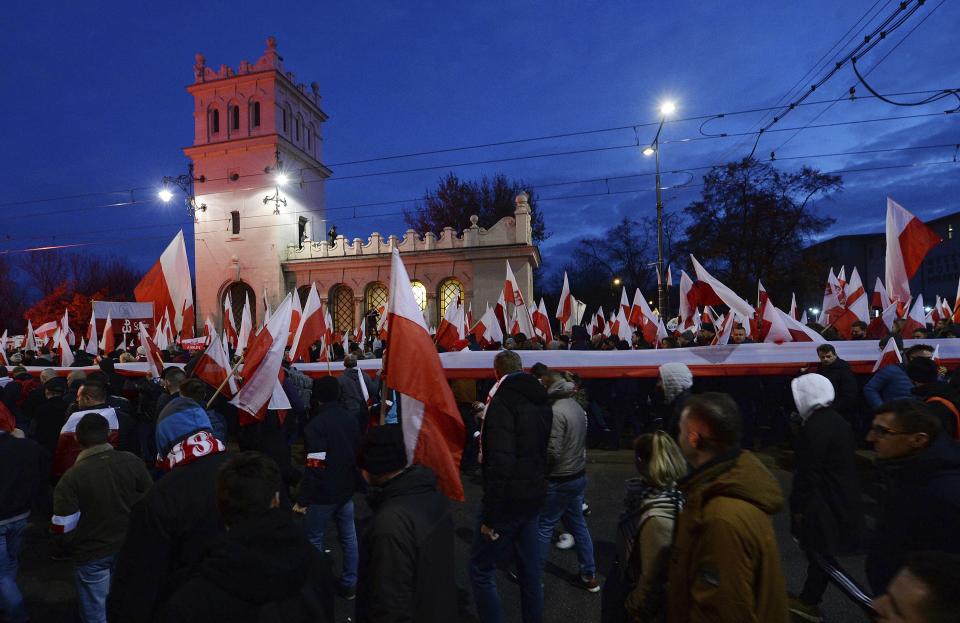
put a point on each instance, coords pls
(360, 335)
(624, 301)
(500, 311)
(92, 341)
(66, 355)
(296, 313)
(108, 342)
(432, 427)
(228, 322)
(65, 327)
(793, 307)
(880, 326)
(521, 321)
(803, 318)
(448, 333)
(511, 288)
(661, 332)
(908, 241)
(383, 322)
(3, 349)
(487, 330)
(621, 327)
(888, 356)
(669, 277)
(213, 367)
(956, 306)
(311, 328)
(565, 306)
(168, 286)
(687, 311)
(855, 307)
(773, 328)
(31, 342)
(598, 322)
(642, 317)
(246, 326)
(46, 330)
(541, 321)
(945, 311)
(880, 298)
(261, 367)
(68, 447)
(725, 294)
(209, 329)
(266, 309)
(916, 319)
(831, 299)
(152, 353)
(762, 298)
(799, 331)
(726, 328)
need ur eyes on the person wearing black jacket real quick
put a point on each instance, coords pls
(920, 507)
(845, 387)
(262, 568)
(941, 398)
(825, 506)
(331, 440)
(513, 446)
(171, 525)
(409, 541)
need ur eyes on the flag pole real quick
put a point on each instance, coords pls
(383, 388)
(231, 373)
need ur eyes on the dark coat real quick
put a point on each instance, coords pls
(929, 393)
(262, 569)
(825, 500)
(49, 417)
(24, 468)
(169, 529)
(334, 433)
(514, 438)
(845, 387)
(410, 543)
(350, 394)
(920, 509)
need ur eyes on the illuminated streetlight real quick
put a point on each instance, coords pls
(616, 281)
(667, 108)
(648, 151)
(281, 178)
(165, 195)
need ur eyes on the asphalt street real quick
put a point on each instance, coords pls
(48, 584)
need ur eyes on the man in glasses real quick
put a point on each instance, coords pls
(920, 508)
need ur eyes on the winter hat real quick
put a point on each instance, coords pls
(811, 392)
(922, 370)
(326, 389)
(382, 450)
(106, 365)
(708, 327)
(675, 378)
(181, 418)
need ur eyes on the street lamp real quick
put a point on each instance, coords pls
(185, 184)
(667, 108)
(616, 281)
(279, 178)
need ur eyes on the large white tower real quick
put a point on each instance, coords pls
(257, 166)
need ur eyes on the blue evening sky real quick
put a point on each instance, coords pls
(94, 101)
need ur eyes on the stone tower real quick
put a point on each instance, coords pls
(259, 179)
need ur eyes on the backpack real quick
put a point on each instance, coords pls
(952, 408)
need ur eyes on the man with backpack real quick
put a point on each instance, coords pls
(940, 397)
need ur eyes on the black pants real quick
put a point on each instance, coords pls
(817, 579)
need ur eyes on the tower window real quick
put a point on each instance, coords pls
(297, 126)
(235, 118)
(302, 229)
(215, 121)
(256, 115)
(235, 223)
(286, 119)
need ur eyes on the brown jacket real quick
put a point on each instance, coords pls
(725, 564)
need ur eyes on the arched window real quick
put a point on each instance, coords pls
(303, 292)
(255, 115)
(299, 121)
(215, 121)
(239, 292)
(450, 290)
(341, 307)
(235, 117)
(375, 296)
(286, 119)
(419, 293)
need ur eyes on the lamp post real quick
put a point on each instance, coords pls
(185, 184)
(666, 109)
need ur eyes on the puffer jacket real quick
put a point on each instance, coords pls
(889, 383)
(567, 448)
(725, 564)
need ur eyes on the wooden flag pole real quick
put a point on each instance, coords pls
(231, 373)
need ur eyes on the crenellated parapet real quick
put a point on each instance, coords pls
(510, 230)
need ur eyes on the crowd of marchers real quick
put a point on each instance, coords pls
(168, 509)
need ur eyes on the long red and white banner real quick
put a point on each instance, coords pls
(729, 360)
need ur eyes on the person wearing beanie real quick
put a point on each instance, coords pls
(410, 539)
(330, 442)
(941, 398)
(676, 383)
(171, 525)
(825, 510)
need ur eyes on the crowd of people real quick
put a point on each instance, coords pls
(169, 509)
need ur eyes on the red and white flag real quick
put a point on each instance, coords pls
(642, 317)
(66, 355)
(521, 322)
(92, 341)
(762, 298)
(669, 277)
(916, 319)
(383, 322)
(31, 342)
(487, 330)
(228, 321)
(46, 330)
(209, 329)
(151, 353)
(68, 447)
(296, 313)
(774, 328)
(956, 307)
(687, 308)
(541, 323)
(169, 287)
(246, 326)
(831, 299)
(794, 313)
(432, 428)
(908, 241)
(880, 298)
(725, 294)
(108, 342)
(888, 356)
(311, 329)
(448, 332)
(214, 367)
(799, 331)
(261, 367)
(621, 327)
(360, 335)
(500, 312)
(565, 306)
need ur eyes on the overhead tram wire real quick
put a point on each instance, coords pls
(952, 161)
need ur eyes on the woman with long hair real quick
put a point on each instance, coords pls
(635, 587)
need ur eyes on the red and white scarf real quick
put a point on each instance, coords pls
(197, 445)
(483, 415)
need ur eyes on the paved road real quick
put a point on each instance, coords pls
(50, 593)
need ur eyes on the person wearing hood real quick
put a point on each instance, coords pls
(171, 525)
(636, 586)
(676, 383)
(262, 568)
(920, 507)
(825, 506)
(513, 456)
(846, 400)
(567, 477)
(407, 572)
(941, 398)
(725, 564)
